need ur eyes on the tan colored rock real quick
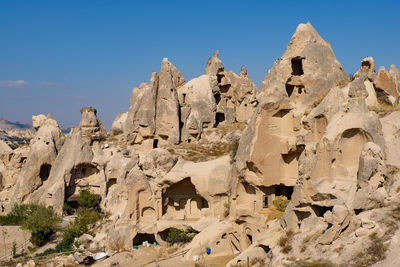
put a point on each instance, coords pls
(306, 71)
(38, 120)
(367, 69)
(198, 107)
(91, 127)
(167, 107)
(43, 151)
(157, 163)
(395, 74)
(390, 130)
(385, 86)
(4, 148)
(214, 65)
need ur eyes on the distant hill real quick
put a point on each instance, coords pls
(14, 125)
(7, 125)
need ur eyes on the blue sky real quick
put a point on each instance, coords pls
(57, 56)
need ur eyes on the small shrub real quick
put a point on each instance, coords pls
(179, 236)
(227, 206)
(66, 209)
(85, 219)
(281, 204)
(14, 249)
(351, 77)
(285, 242)
(48, 251)
(87, 199)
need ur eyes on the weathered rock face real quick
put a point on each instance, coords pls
(167, 106)
(395, 74)
(316, 169)
(43, 151)
(169, 111)
(214, 65)
(306, 71)
(90, 125)
(198, 107)
(244, 91)
(386, 86)
(140, 120)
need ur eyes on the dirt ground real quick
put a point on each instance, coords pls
(9, 234)
(154, 256)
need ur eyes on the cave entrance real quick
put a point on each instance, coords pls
(155, 143)
(181, 201)
(44, 172)
(297, 66)
(284, 191)
(289, 89)
(140, 238)
(219, 117)
(365, 65)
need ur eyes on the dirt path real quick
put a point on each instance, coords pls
(9, 234)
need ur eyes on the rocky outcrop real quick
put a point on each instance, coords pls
(90, 125)
(167, 105)
(315, 170)
(44, 149)
(306, 71)
(385, 86)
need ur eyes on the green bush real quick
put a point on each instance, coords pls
(79, 226)
(179, 236)
(14, 249)
(38, 219)
(87, 199)
(41, 222)
(66, 208)
(18, 214)
(281, 204)
(48, 251)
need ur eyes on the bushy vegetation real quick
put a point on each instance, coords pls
(38, 219)
(86, 217)
(281, 204)
(179, 236)
(87, 199)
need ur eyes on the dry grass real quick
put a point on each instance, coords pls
(374, 253)
(273, 213)
(285, 242)
(383, 108)
(203, 151)
(315, 263)
(343, 83)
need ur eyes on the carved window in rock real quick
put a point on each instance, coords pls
(297, 66)
(265, 201)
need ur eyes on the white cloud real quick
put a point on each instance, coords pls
(13, 84)
(52, 85)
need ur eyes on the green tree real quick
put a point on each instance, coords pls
(87, 199)
(41, 222)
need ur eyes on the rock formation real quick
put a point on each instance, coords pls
(305, 167)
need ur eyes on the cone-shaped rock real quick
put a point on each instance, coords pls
(307, 69)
